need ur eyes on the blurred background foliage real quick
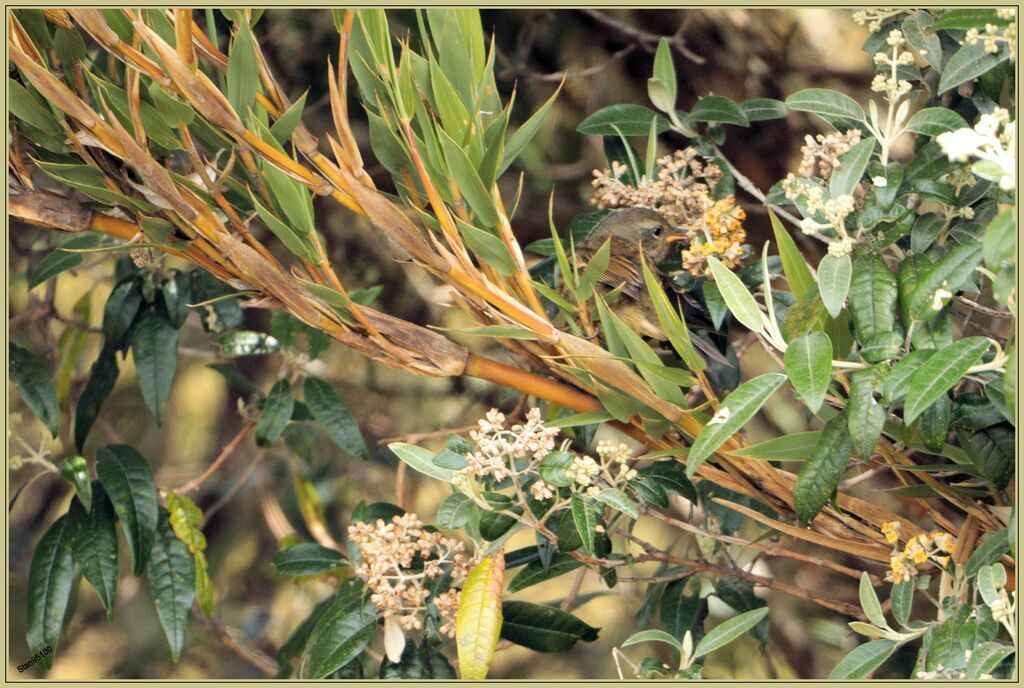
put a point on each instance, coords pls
(606, 56)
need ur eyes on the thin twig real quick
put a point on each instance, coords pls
(225, 454)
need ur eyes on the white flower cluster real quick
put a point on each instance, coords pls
(888, 83)
(497, 448)
(992, 142)
(874, 17)
(994, 35)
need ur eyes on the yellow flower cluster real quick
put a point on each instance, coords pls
(920, 549)
(720, 234)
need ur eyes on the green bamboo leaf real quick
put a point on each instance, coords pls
(50, 579)
(947, 275)
(854, 162)
(820, 475)
(798, 446)
(808, 362)
(467, 179)
(330, 411)
(60, 260)
(718, 110)
(834, 274)
(284, 126)
(872, 296)
(523, 135)
(542, 628)
(94, 545)
(737, 408)
(595, 268)
(128, 482)
(726, 632)
(798, 274)
(672, 323)
(865, 416)
(307, 559)
(25, 106)
(155, 350)
(863, 660)
(488, 247)
(171, 573)
(478, 621)
(939, 373)
(741, 303)
(967, 63)
(585, 517)
(821, 101)
(35, 387)
(243, 75)
(275, 414)
(340, 634)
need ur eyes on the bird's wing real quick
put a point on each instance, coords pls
(622, 269)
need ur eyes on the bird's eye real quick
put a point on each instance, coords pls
(656, 231)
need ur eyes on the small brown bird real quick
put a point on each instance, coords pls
(630, 231)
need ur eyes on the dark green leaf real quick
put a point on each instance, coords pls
(243, 77)
(289, 119)
(307, 559)
(121, 307)
(865, 416)
(128, 482)
(939, 373)
(455, 511)
(328, 408)
(102, 377)
(35, 387)
(94, 545)
(991, 451)
(585, 518)
(543, 628)
(277, 411)
(798, 446)
(988, 552)
(60, 260)
(155, 350)
(50, 579)
(682, 608)
(872, 296)
(340, 634)
(820, 475)
(171, 572)
(535, 572)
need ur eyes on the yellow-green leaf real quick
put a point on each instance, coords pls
(478, 621)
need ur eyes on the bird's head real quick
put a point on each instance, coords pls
(642, 226)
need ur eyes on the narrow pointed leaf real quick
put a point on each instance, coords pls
(863, 660)
(740, 301)
(543, 628)
(340, 634)
(275, 414)
(794, 265)
(128, 482)
(307, 559)
(939, 373)
(35, 387)
(737, 408)
(94, 545)
(171, 573)
(50, 578)
(421, 460)
(155, 350)
(724, 633)
(872, 297)
(331, 412)
(820, 475)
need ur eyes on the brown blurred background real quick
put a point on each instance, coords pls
(608, 55)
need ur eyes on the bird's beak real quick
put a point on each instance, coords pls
(676, 235)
